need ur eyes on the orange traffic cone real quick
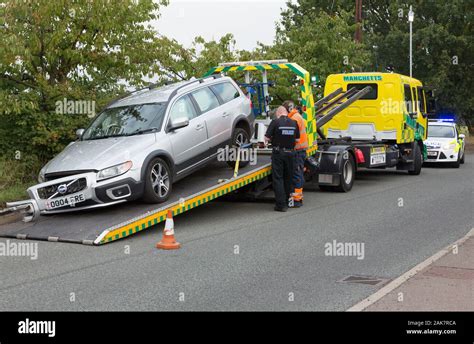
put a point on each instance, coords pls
(168, 241)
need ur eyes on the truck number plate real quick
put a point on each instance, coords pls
(325, 178)
(432, 153)
(377, 156)
(66, 200)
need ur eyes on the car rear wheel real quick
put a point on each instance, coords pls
(158, 181)
(239, 137)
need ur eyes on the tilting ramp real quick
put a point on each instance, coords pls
(104, 225)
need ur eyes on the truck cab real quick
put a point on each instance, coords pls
(393, 111)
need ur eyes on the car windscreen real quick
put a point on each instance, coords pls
(126, 120)
(441, 131)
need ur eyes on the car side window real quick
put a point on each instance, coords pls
(205, 99)
(226, 91)
(182, 108)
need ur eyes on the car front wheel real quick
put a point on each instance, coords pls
(158, 181)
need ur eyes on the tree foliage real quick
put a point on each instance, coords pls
(95, 50)
(79, 50)
(443, 42)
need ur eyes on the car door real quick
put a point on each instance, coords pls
(189, 144)
(217, 120)
(229, 97)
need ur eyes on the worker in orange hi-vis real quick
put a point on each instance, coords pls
(300, 153)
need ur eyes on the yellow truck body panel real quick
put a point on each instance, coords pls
(394, 110)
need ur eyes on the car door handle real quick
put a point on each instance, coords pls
(199, 126)
(225, 114)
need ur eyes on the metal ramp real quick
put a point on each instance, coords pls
(104, 225)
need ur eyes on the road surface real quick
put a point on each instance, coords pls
(245, 256)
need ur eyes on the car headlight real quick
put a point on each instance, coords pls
(41, 177)
(450, 145)
(114, 171)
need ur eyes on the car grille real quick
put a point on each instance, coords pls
(75, 186)
(56, 175)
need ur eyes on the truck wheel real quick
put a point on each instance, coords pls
(347, 174)
(418, 161)
(239, 138)
(157, 181)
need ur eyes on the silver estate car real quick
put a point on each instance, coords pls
(144, 142)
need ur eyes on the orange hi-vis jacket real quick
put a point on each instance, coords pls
(302, 143)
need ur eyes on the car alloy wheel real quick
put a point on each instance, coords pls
(160, 180)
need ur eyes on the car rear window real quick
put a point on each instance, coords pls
(226, 91)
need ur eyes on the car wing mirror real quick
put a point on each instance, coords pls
(79, 133)
(178, 123)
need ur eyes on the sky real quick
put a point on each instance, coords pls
(250, 21)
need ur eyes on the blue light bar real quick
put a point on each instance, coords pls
(450, 120)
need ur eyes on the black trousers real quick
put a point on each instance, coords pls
(282, 175)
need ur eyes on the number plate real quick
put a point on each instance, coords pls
(432, 153)
(325, 178)
(65, 201)
(377, 156)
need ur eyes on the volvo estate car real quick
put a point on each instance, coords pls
(139, 145)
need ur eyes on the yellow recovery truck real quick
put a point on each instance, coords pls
(364, 120)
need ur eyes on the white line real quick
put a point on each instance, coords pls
(407, 275)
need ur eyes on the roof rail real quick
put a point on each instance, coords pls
(189, 83)
(247, 63)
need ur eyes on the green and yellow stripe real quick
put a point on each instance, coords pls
(124, 230)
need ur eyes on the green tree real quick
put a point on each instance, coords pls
(79, 50)
(443, 46)
(319, 41)
(179, 63)
(443, 42)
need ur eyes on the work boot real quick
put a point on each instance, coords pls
(297, 204)
(282, 209)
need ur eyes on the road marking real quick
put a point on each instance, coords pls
(407, 275)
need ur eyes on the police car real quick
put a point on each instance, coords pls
(444, 143)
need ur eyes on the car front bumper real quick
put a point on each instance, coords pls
(441, 155)
(83, 191)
